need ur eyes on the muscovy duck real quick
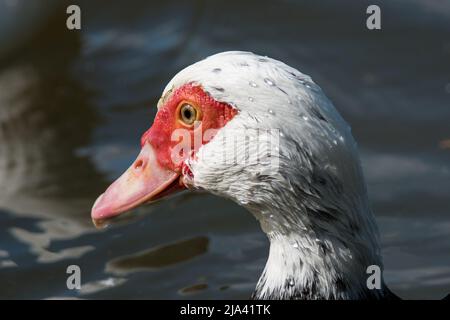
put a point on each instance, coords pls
(311, 201)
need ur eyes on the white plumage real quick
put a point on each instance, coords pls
(315, 209)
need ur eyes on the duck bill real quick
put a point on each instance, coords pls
(144, 181)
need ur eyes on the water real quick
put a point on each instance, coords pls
(74, 104)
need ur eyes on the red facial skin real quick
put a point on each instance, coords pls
(154, 174)
(214, 115)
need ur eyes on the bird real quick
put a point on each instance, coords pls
(254, 130)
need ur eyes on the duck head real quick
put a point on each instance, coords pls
(187, 118)
(254, 130)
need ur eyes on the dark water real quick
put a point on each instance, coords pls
(74, 104)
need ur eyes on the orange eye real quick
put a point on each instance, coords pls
(188, 114)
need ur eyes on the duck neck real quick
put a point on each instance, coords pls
(312, 263)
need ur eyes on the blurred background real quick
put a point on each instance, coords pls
(73, 105)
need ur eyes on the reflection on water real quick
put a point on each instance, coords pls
(44, 115)
(99, 285)
(194, 288)
(160, 257)
(74, 104)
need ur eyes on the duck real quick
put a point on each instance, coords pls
(254, 130)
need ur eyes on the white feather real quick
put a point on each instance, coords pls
(314, 209)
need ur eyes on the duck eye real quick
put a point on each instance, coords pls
(188, 114)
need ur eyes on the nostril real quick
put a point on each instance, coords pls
(138, 164)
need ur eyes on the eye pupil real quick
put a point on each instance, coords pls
(188, 114)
